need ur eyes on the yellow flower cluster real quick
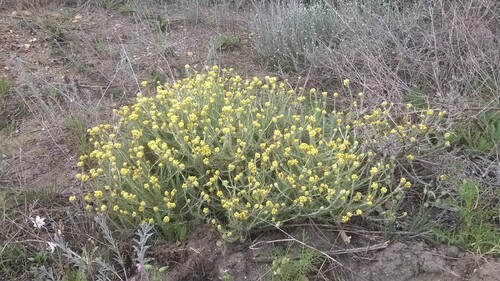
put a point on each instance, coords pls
(241, 154)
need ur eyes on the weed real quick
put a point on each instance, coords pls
(161, 24)
(4, 90)
(477, 212)
(227, 42)
(40, 258)
(294, 264)
(481, 135)
(417, 97)
(116, 93)
(225, 276)
(14, 257)
(419, 222)
(76, 126)
(101, 45)
(13, 260)
(127, 8)
(6, 115)
(173, 232)
(155, 273)
(52, 96)
(157, 75)
(56, 32)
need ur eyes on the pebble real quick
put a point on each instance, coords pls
(452, 251)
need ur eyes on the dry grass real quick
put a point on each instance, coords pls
(447, 50)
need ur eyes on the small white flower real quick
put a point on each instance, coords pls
(38, 222)
(51, 246)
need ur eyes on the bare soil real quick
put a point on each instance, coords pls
(368, 257)
(66, 62)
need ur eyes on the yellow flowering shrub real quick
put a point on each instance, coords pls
(244, 154)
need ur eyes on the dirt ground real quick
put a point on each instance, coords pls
(367, 257)
(69, 66)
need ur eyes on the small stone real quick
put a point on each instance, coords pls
(55, 15)
(452, 252)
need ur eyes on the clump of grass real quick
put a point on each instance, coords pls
(244, 154)
(55, 31)
(417, 95)
(481, 135)
(478, 214)
(13, 259)
(128, 8)
(4, 90)
(76, 125)
(227, 42)
(287, 34)
(294, 264)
